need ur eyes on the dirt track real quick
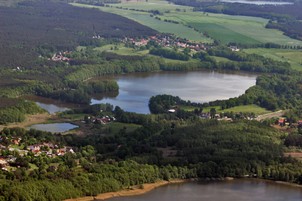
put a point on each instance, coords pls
(279, 113)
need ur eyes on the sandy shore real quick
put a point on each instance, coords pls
(134, 191)
(289, 184)
(30, 120)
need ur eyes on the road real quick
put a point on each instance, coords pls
(279, 113)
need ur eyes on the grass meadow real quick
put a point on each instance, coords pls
(294, 57)
(243, 108)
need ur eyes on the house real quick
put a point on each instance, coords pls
(234, 48)
(16, 141)
(205, 115)
(3, 163)
(172, 111)
(34, 149)
(281, 122)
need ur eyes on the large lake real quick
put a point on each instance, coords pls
(237, 190)
(136, 89)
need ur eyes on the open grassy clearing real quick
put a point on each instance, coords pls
(160, 5)
(243, 108)
(294, 57)
(220, 59)
(122, 50)
(116, 127)
(225, 28)
(247, 108)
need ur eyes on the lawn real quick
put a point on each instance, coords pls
(294, 57)
(195, 25)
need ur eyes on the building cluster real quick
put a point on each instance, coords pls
(61, 56)
(12, 146)
(100, 120)
(165, 40)
(282, 121)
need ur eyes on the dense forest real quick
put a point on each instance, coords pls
(31, 28)
(159, 150)
(14, 110)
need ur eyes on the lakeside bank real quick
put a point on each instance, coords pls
(136, 190)
(30, 120)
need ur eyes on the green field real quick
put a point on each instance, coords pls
(227, 28)
(220, 59)
(243, 108)
(294, 57)
(160, 5)
(224, 28)
(247, 109)
(122, 50)
(116, 127)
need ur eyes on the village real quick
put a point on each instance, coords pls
(13, 147)
(164, 40)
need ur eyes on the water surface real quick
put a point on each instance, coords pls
(54, 127)
(51, 108)
(50, 105)
(237, 190)
(136, 89)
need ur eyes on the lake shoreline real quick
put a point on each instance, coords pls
(30, 120)
(136, 190)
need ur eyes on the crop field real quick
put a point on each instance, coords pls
(195, 25)
(160, 5)
(226, 28)
(294, 57)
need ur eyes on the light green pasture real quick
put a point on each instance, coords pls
(294, 57)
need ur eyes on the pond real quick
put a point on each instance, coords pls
(50, 105)
(136, 89)
(51, 108)
(236, 190)
(54, 127)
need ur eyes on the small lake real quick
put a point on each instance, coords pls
(136, 89)
(258, 2)
(51, 108)
(50, 105)
(54, 127)
(236, 190)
